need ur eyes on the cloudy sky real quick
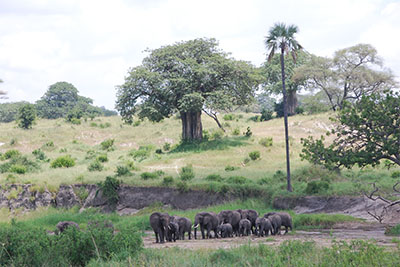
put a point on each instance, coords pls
(92, 43)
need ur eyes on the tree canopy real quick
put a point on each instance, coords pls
(2, 93)
(368, 132)
(350, 74)
(186, 77)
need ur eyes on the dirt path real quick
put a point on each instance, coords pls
(322, 238)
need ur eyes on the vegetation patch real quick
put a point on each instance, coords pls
(63, 162)
(309, 221)
(186, 173)
(395, 230)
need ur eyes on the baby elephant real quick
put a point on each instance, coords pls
(263, 226)
(173, 232)
(225, 230)
(244, 227)
(286, 219)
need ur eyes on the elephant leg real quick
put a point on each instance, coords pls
(161, 233)
(202, 231)
(156, 233)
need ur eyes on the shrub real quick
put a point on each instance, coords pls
(149, 175)
(266, 115)
(93, 124)
(214, 177)
(168, 180)
(395, 174)
(206, 135)
(63, 150)
(395, 230)
(186, 173)
(95, 166)
(166, 146)
(63, 161)
(265, 181)
(110, 189)
(316, 187)
(107, 144)
(39, 154)
(182, 186)
(12, 153)
(26, 116)
(246, 160)
(102, 158)
(218, 134)
(142, 153)
(122, 171)
(158, 151)
(229, 117)
(255, 118)
(230, 168)
(236, 131)
(75, 121)
(13, 141)
(267, 141)
(20, 169)
(254, 155)
(237, 180)
(279, 176)
(248, 132)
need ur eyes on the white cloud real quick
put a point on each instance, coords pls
(92, 43)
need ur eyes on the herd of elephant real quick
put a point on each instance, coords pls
(224, 224)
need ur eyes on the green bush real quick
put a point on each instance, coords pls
(122, 170)
(20, 169)
(237, 180)
(236, 131)
(168, 180)
(316, 187)
(95, 166)
(395, 230)
(158, 151)
(149, 175)
(107, 144)
(246, 160)
(395, 175)
(248, 132)
(19, 161)
(217, 135)
(110, 189)
(267, 141)
(39, 155)
(12, 153)
(229, 117)
(254, 155)
(182, 186)
(64, 161)
(186, 173)
(142, 153)
(266, 115)
(75, 121)
(214, 177)
(102, 158)
(230, 168)
(166, 146)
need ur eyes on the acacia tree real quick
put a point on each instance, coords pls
(282, 37)
(350, 74)
(367, 133)
(188, 77)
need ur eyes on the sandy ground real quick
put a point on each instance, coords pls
(322, 238)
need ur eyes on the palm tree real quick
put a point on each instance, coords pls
(281, 36)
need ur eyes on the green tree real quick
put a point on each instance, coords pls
(281, 37)
(186, 77)
(271, 71)
(352, 73)
(368, 132)
(9, 111)
(26, 116)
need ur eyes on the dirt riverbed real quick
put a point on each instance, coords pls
(322, 238)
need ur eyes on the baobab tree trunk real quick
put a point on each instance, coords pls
(292, 102)
(192, 128)
(285, 119)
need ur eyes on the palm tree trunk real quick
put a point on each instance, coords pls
(285, 118)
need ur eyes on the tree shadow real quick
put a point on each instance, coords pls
(219, 144)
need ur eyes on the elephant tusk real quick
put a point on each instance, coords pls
(195, 226)
(169, 227)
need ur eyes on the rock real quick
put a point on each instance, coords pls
(121, 210)
(66, 197)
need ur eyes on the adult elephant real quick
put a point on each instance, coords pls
(159, 222)
(286, 219)
(250, 215)
(207, 221)
(185, 226)
(232, 217)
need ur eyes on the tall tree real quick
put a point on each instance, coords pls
(352, 72)
(281, 37)
(271, 71)
(26, 116)
(188, 77)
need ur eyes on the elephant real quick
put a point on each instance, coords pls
(185, 225)
(244, 227)
(251, 215)
(160, 222)
(285, 218)
(62, 226)
(232, 217)
(208, 221)
(173, 232)
(263, 226)
(225, 230)
(276, 223)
